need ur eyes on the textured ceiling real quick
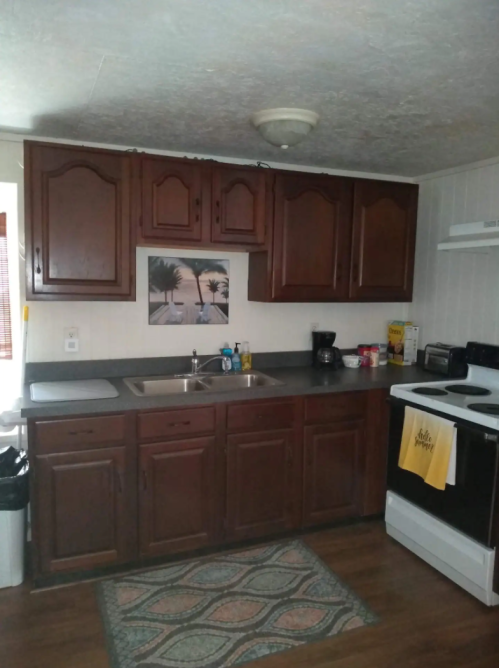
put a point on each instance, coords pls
(401, 87)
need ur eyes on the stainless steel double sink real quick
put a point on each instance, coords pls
(203, 382)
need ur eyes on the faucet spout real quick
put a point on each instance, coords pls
(196, 367)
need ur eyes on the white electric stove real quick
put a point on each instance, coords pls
(475, 398)
(456, 530)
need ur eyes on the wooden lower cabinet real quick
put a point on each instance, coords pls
(103, 495)
(82, 500)
(177, 495)
(332, 459)
(260, 483)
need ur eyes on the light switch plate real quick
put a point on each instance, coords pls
(71, 345)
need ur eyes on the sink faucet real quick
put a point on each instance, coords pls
(196, 367)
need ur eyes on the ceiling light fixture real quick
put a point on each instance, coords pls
(284, 127)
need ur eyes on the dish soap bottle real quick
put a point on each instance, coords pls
(245, 356)
(236, 359)
(228, 353)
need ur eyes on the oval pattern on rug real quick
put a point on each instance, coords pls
(226, 610)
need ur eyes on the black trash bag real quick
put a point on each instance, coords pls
(14, 479)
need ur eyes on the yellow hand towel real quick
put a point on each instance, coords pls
(426, 448)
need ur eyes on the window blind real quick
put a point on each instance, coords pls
(5, 319)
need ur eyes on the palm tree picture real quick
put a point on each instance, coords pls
(213, 286)
(165, 277)
(201, 267)
(178, 289)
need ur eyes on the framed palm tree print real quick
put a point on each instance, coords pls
(188, 291)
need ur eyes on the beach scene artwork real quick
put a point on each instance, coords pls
(188, 291)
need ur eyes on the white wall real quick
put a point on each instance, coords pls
(456, 294)
(11, 174)
(119, 329)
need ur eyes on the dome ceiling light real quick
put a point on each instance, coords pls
(284, 127)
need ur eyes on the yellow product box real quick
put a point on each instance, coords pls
(402, 342)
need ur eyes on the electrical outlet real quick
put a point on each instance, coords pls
(71, 340)
(315, 326)
(71, 332)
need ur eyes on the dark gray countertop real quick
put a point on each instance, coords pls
(296, 381)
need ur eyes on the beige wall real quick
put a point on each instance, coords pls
(120, 329)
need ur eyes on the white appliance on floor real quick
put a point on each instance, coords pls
(12, 539)
(455, 530)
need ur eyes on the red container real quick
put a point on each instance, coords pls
(364, 351)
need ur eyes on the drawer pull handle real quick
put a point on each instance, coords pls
(81, 432)
(38, 269)
(179, 424)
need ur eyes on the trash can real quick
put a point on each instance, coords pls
(14, 497)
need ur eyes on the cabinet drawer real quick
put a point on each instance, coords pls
(261, 416)
(64, 435)
(330, 407)
(162, 424)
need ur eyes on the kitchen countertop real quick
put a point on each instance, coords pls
(297, 381)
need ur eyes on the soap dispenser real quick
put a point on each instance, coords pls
(236, 359)
(245, 356)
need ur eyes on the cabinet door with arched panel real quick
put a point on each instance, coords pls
(78, 223)
(172, 199)
(312, 229)
(384, 236)
(238, 205)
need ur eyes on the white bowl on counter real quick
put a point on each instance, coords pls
(352, 361)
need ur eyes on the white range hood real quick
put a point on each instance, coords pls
(474, 237)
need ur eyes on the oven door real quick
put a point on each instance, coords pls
(469, 505)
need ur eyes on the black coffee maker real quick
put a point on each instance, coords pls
(324, 354)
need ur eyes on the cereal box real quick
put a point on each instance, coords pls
(402, 342)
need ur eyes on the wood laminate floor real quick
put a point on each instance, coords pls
(426, 621)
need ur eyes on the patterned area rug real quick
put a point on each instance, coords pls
(226, 610)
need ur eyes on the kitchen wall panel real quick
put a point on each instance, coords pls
(456, 294)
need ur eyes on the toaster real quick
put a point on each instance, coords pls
(446, 359)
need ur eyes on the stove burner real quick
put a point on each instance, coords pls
(490, 409)
(430, 391)
(470, 390)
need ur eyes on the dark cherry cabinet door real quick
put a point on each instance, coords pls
(260, 474)
(172, 200)
(332, 472)
(78, 223)
(177, 497)
(82, 509)
(238, 205)
(384, 237)
(311, 243)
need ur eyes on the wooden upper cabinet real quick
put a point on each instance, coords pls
(384, 235)
(238, 205)
(172, 199)
(311, 243)
(78, 223)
